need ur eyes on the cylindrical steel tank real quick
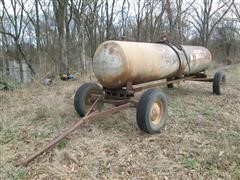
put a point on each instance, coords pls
(117, 62)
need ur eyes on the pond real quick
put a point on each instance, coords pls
(14, 71)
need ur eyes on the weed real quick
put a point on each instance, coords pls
(236, 172)
(40, 135)
(8, 84)
(224, 139)
(62, 144)
(207, 164)
(173, 109)
(8, 135)
(234, 136)
(19, 173)
(189, 163)
(206, 110)
(191, 115)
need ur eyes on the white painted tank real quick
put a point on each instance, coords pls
(117, 62)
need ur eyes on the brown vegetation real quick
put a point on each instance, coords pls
(200, 140)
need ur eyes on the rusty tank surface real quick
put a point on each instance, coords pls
(117, 62)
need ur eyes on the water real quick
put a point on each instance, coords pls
(14, 71)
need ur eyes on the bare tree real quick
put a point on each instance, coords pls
(16, 23)
(157, 9)
(139, 10)
(175, 15)
(79, 17)
(109, 17)
(33, 16)
(236, 10)
(68, 20)
(60, 11)
(91, 25)
(124, 15)
(205, 18)
(225, 37)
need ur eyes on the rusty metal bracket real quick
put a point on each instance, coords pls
(129, 88)
(122, 93)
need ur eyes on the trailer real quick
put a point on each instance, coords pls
(122, 77)
(125, 68)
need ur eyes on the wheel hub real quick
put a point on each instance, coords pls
(155, 113)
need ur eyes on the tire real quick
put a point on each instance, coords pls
(152, 111)
(82, 98)
(218, 79)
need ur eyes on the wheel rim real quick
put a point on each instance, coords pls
(89, 100)
(155, 113)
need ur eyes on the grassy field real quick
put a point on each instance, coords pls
(200, 141)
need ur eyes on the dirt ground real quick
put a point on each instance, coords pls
(200, 141)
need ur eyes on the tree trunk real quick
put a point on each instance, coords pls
(18, 59)
(60, 10)
(37, 31)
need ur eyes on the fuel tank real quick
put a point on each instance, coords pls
(117, 62)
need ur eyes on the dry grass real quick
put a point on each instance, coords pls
(201, 139)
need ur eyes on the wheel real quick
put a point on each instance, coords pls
(152, 111)
(218, 80)
(83, 99)
(171, 84)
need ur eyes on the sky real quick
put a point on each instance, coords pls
(29, 4)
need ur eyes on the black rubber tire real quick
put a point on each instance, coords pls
(82, 94)
(218, 78)
(144, 107)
